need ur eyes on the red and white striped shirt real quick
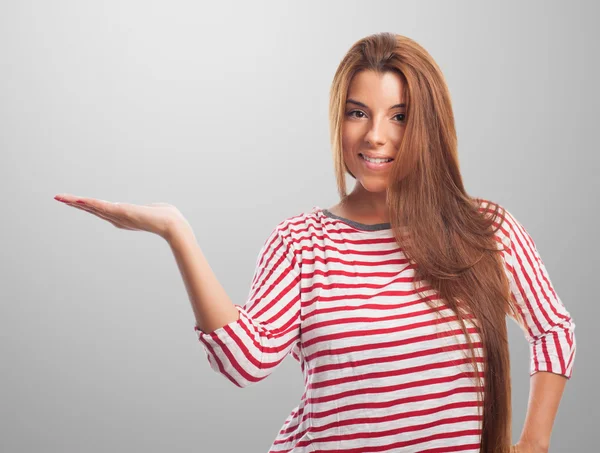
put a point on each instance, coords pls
(381, 372)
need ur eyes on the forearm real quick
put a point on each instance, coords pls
(545, 393)
(210, 303)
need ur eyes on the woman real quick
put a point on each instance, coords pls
(394, 301)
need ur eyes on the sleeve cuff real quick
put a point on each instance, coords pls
(223, 335)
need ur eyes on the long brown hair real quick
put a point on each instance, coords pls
(441, 230)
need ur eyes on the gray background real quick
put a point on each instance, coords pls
(221, 110)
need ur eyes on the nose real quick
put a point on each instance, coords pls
(376, 134)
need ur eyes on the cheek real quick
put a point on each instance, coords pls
(350, 140)
(348, 150)
(398, 135)
(350, 133)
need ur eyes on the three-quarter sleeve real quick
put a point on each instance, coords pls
(547, 324)
(247, 350)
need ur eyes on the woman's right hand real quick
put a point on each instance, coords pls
(157, 218)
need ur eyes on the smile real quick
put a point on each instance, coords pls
(378, 165)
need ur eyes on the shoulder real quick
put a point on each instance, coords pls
(298, 231)
(290, 227)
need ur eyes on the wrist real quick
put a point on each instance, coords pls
(176, 229)
(533, 446)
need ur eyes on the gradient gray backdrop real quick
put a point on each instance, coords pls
(221, 110)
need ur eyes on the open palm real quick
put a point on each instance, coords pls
(157, 218)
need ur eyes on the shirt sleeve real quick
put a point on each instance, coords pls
(548, 326)
(249, 349)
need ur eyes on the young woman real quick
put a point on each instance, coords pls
(394, 301)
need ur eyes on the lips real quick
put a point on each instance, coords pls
(375, 166)
(375, 156)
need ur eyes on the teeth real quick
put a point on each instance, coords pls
(376, 161)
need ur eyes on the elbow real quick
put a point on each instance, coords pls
(555, 350)
(244, 358)
(244, 383)
(240, 373)
(238, 380)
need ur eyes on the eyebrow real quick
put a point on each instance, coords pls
(352, 101)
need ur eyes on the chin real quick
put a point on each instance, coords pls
(374, 185)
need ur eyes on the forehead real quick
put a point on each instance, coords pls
(376, 87)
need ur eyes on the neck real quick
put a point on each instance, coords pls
(367, 204)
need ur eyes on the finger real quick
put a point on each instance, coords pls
(69, 198)
(83, 207)
(97, 204)
(108, 210)
(100, 208)
(100, 214)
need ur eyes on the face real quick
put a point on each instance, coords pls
(373, 125)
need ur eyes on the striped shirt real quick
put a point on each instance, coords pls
(381, 371)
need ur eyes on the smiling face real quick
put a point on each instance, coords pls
(374, 123)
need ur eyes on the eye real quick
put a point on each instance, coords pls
(354, 111)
